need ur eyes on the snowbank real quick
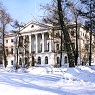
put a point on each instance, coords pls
(48, 81)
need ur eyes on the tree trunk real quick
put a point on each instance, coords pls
(90, 55)
(68, 44)
(61, 51)
(76, 50)
(4, 55)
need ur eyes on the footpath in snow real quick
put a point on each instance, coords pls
(48, 81)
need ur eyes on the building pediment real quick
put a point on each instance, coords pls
(34, 26)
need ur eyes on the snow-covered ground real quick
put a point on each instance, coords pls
(48, 81)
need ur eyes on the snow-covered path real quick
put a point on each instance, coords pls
(48, 81)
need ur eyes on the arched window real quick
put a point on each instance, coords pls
(58, 60)
(65, 59)
(39, 60)
(46, 60)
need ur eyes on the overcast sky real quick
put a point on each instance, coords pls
(24, 10)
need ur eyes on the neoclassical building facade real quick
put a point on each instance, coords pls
(35, 44)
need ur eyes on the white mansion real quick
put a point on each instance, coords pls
(34, 45)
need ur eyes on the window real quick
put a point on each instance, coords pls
(11, 62)
(72, 33)
(41, 47)
(20, 61)
(32, 26)
(7, 51)
(6, 41)
(57, 34)
(26, 61)
(58, 60)
(57, 46)
(46, 60)
(39, 60)
(11, 50)
(26, 39)
(21, 41)
(73, 44)
(11, 40)
(48, 46)
(65, 59)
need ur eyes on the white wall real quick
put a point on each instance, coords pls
(43, 55)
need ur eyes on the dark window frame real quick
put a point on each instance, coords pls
(39, 60)
(46, 60)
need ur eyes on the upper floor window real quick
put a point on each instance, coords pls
(57, 34)
(6, 41)
(26, 38)
(21, 41)
(11, 50)
(41, 47)
(11, 40)
(7, 51)
(57, 46)
(72, 33)
(73, 44)
(83, 34)
(48, 46)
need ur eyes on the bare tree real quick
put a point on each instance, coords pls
(4, 20)
(17, 26)
(73, 9)
(52, 17)
(68, 43)
(88, 13)
(57, 15)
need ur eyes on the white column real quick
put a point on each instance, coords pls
(30, 55)
(36, 40)
(29, 43)
(42, 42)
(50, 44)
(15, 51)
(23, 64)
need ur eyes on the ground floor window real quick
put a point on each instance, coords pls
(39, 60)
(20, 61)
(58, 60)
(11, 62)
(46, 60)
(65, 59)
(32, 60)
(26, 62)
(1, 62)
